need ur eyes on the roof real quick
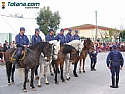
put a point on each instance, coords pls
(88, 26)
(12, 25)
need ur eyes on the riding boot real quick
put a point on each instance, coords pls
(17, 62)
(117, 80)
(113, 82)
(91, 66)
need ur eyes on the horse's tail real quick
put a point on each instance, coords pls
(20, 70)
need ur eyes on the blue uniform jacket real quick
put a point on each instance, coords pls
(76, 37)
(114, 58)
(69, 38)
(36, 39)
(93, 55)
(21, 40)
(60, 37)
(49, 37)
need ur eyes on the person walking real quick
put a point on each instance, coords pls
(115, 63)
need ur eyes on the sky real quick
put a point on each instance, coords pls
(110, 13)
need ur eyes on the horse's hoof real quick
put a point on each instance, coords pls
(52, 74)
(47, 83)
(13, 82)
(33, 89)
(80, 71)
(37, 78)
(56, 82)
(24, 90)
(9, 84)
(39, 86)
(63, 81)
(83, 71)
(76, 75)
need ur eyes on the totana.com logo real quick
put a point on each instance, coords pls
(3, 5)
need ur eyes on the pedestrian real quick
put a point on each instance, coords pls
(93, 57)
(60, 37)
(115, 63)
(22, 42)
(69, 36)
(50, 35)
(76, 36)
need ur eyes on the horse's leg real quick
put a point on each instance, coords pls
(40, 74)
(25, 80)
(75, 67)
(67, 68)
(12, 77)
(84, 64)
(32, 78)
(61, 68)
(80, 68)
(36, 73)
(74, 71)
(45, 70)
(56, 71)
(8, 70)
(50, 67)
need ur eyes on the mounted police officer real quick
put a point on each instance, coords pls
(36, 38)
(22, 42)
(69, 37)
(115, 63)
(60, 37)
(76, 36)
(50, 35)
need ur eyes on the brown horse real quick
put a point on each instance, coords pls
(64, 50)
(88, 45)
(30, 61)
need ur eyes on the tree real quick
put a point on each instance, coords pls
(47, 19)
(115, 33)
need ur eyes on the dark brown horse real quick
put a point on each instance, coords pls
(88, 45)
(29, 62)
(62, 55)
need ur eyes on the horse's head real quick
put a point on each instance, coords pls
(47, 51)
(56, 48)
(74, 55)
(88, 43)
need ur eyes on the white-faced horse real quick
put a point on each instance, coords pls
(44, 64)
(78, 44)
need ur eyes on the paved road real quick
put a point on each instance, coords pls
(91, 82)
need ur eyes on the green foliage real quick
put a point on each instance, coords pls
(122, 34)
(47, 19)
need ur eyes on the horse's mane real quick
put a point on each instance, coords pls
(74, 43)
(67, 49)
(38, 44)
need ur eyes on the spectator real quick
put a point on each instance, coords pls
(5, 46)
(1, 50)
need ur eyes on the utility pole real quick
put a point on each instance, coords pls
(96, 26)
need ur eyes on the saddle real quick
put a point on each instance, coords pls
(23, 54)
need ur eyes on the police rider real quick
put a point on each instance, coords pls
(22, 42)
(60, 37)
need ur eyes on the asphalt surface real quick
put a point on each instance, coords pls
(91, 82)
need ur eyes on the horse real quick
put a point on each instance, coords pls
(30, 60)
(56, 48)
(62, 55)
(88, 45)
(78, 44)
(44, 65)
